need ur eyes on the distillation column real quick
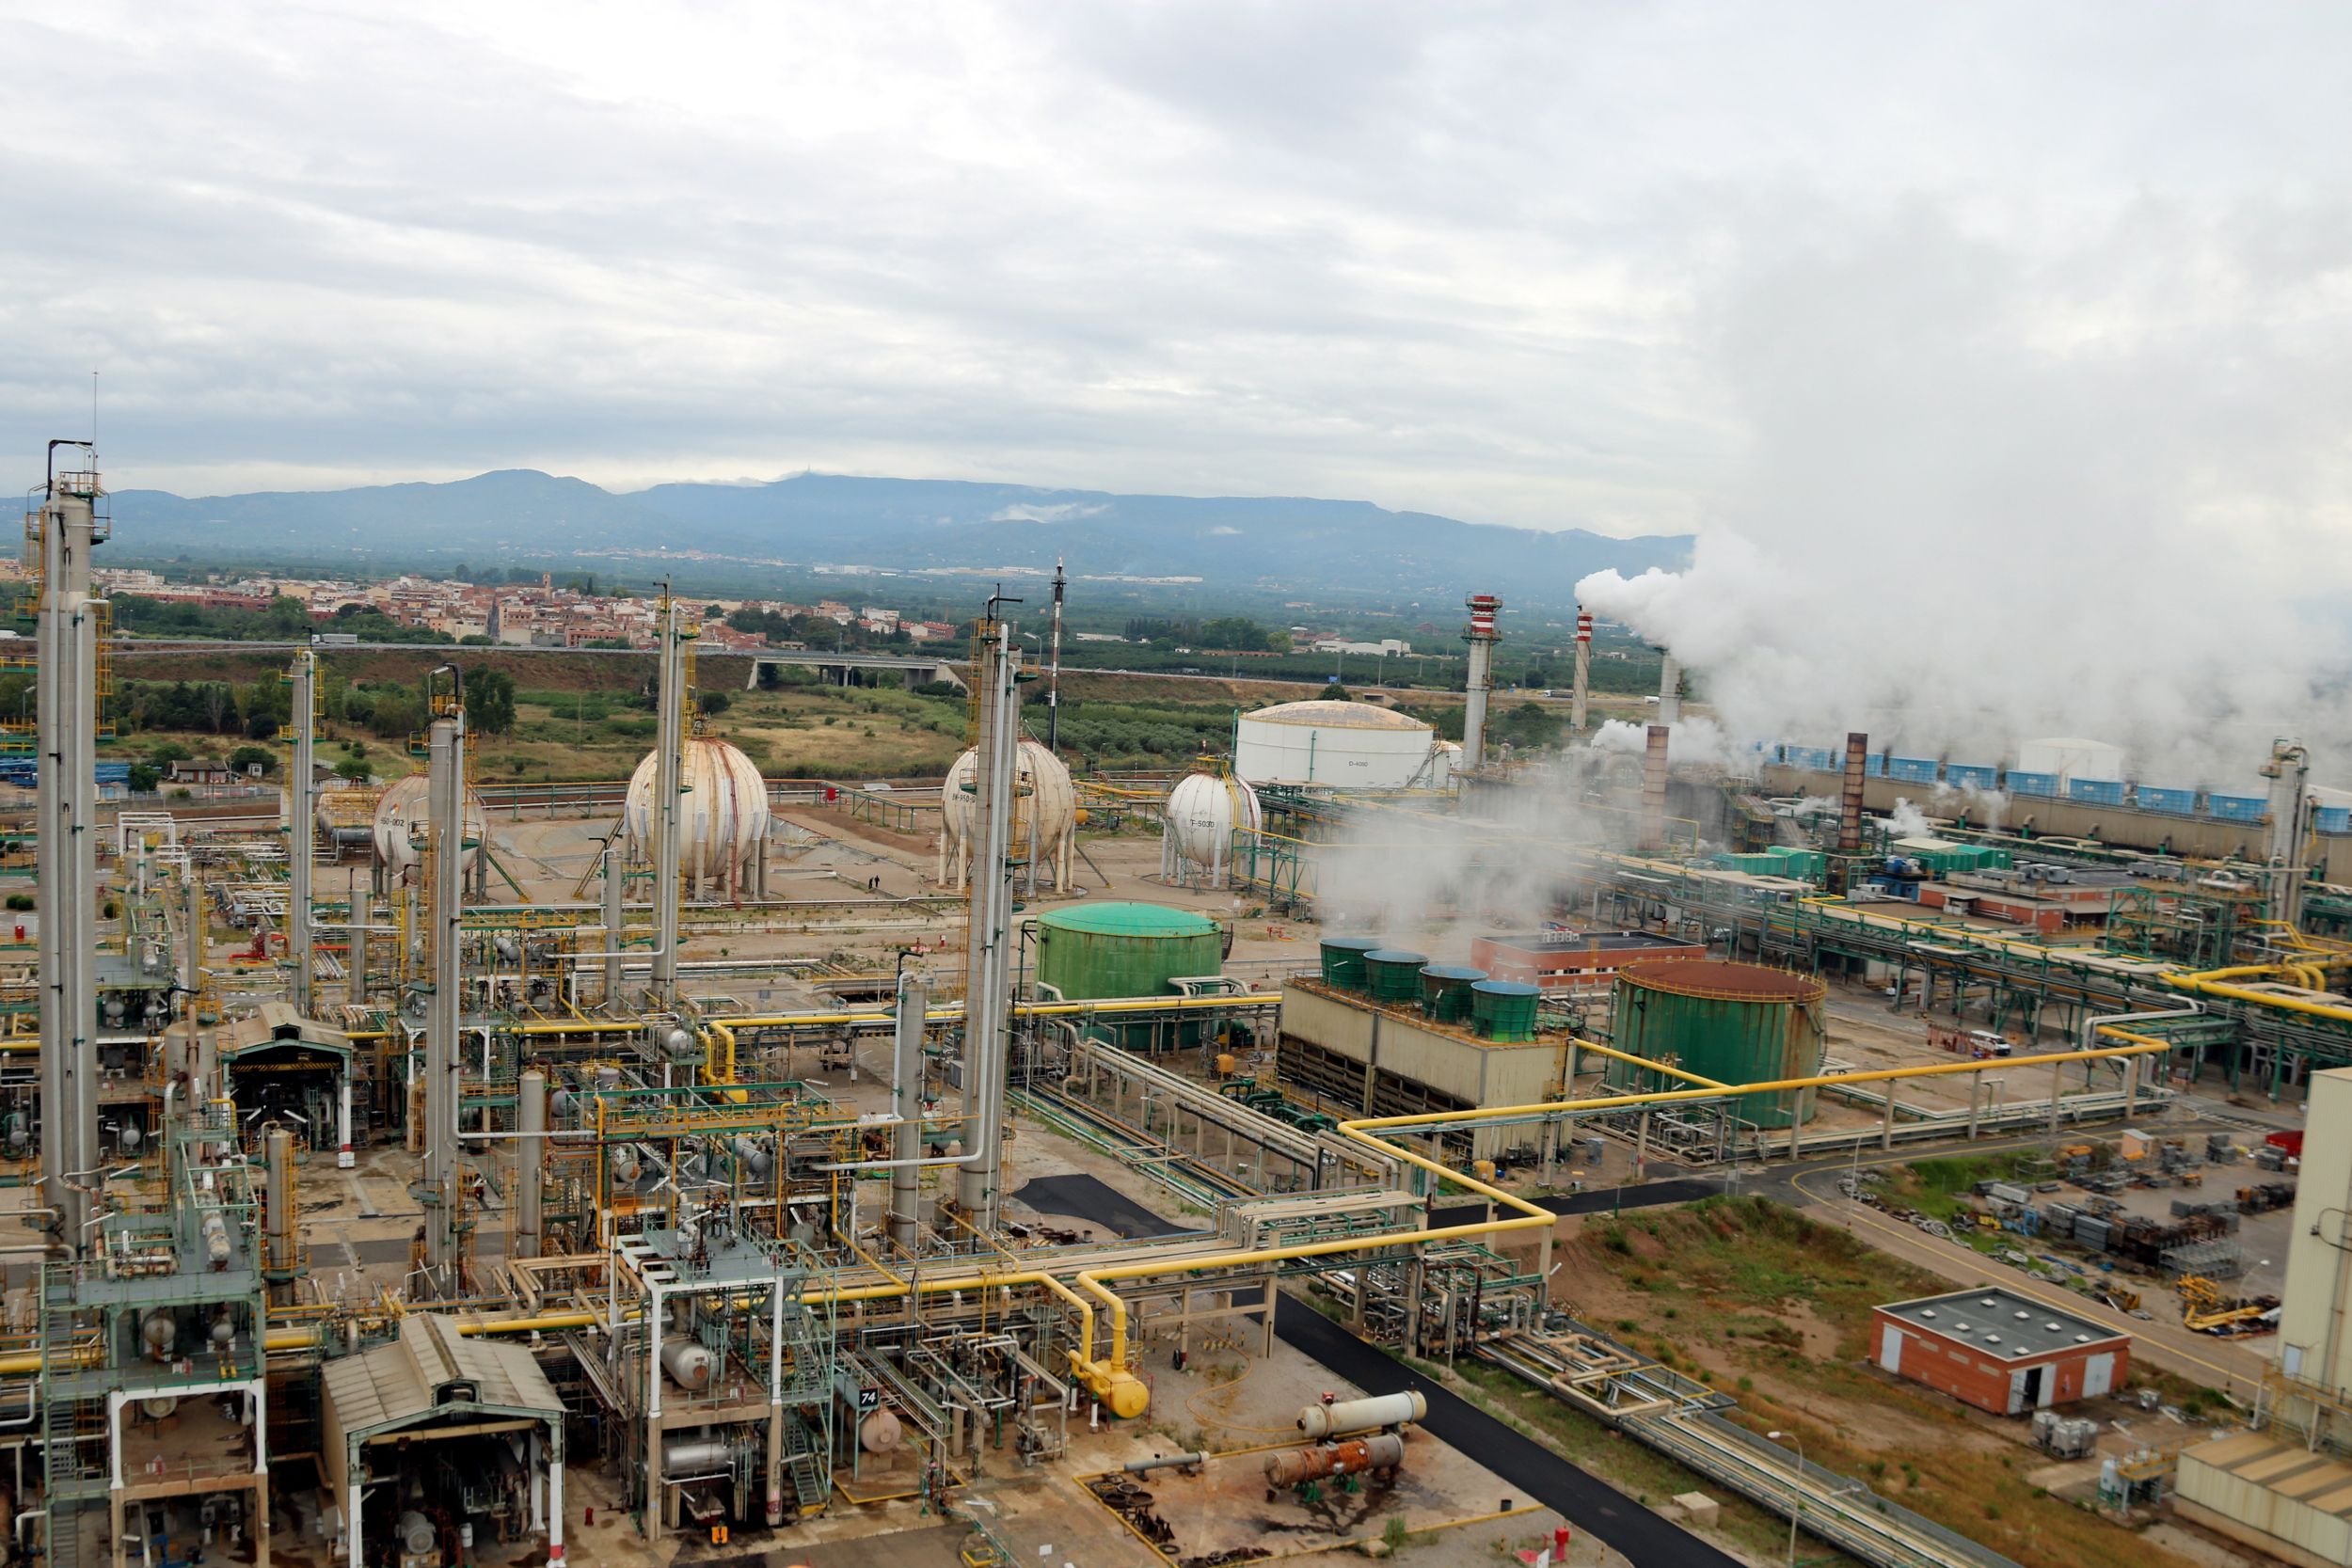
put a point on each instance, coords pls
(906, 1106)
(530, 1164)
(1583, 670)
(2287, 769)
(445, 797)
(615, 882)
(301, 844)
(67, 899)
(1481, 637)
(986, 972)
(671, 719)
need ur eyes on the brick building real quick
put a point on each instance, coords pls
(1999, 1351)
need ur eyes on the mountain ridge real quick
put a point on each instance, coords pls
(811, 519)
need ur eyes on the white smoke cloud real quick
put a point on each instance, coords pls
(2000, 488)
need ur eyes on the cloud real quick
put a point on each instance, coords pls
(1511, 261)
(1061, 511)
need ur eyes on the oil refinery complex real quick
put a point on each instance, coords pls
(1017, 1165)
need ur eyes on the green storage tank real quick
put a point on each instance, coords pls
(1446, 992)
(1098, 950)
(1343, 961)
(1394, 974)
(1736, 1024)
(1504, 1009)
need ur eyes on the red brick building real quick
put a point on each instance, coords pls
(1999, 1351)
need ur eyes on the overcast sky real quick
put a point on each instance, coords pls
(1637, 268)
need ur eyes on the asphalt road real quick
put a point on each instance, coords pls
(1542, 1478)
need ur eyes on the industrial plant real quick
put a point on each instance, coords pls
(1270, 1156)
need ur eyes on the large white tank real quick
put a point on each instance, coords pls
(400, 826)
(1044, 821)
(1352, 745)
(722, 815)
(1197, 824)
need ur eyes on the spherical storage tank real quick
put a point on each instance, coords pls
(1044, 819)
(1197, 825)
(1347, 744)
(1736, 1024)
(399, 825)
(721, 815)
(1102, 950)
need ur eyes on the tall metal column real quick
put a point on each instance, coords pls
(615, 882)
(987, 971)
(530, 1164)
(67, 897)
(906, 1104)
(301, 844)
(1052, 668)
(445, 795)
(355, 957)
(672, 729)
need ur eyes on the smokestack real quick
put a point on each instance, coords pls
(1669, 688)
(1850, 798)
(1584, 669)
(1481, 637)
(1654, 791)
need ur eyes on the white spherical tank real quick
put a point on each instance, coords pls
(1197, 825)
(1352, 745)
(400, 826)
(723, 815)
(1044, 820)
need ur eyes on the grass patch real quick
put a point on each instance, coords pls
(1940, 1188)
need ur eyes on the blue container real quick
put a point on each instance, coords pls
(1960, 775)
(2173, 802)
(2032, 784)
(2098, 792)
(2332, 819)
(1874, 764)
(1912, 770)
(2237, 807)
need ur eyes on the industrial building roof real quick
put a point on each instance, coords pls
(1335, 715)
(431, 1365)
(2001, 1322)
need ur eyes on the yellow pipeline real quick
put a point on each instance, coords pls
(2206, 986)
(1646, 1064)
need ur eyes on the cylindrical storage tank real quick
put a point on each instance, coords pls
(1382, 1450)
(1503, 1009)
(722, 814)
(1364, 1415)
(1199, 816)
(400, 826)
(1120, 949)
(1044, 816)
(1393, 974)
(1736, 1024)
(1445, 990)
(1352, 745)
(1343, 961)
(688, 1362)
(879, 1433)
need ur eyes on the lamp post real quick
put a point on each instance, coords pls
(1796, 1492)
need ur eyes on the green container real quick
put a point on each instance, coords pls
(1343, 961)
(1445, 990)
(1394, 974)
(1504, 1009)
(1736, 1024)
(1099, 950)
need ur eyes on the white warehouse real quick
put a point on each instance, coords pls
(1348, 745)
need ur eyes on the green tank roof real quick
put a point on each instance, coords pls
(1129, 920)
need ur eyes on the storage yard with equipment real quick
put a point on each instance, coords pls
(1358, 1142)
